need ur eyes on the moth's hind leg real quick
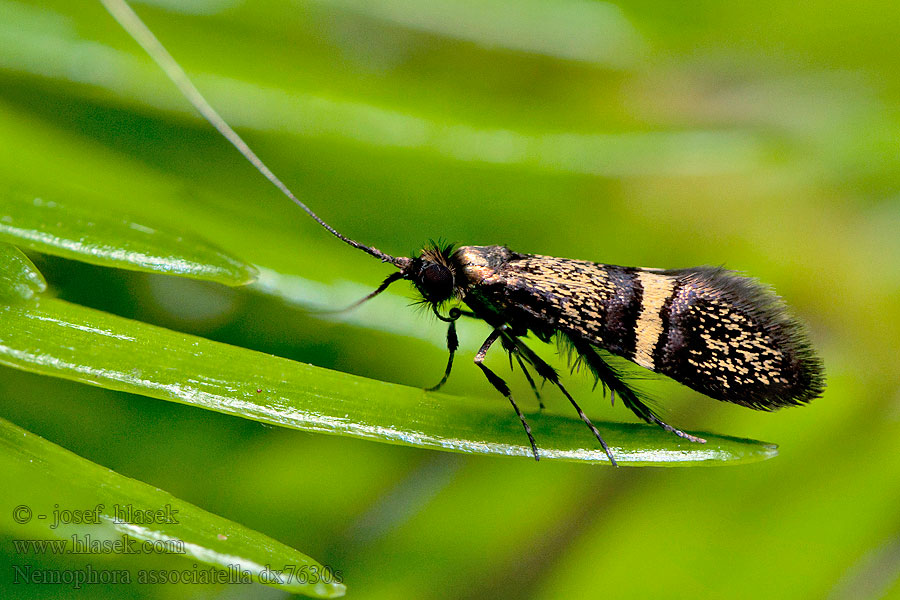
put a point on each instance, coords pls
(549, 373)
(646, 413)
(611, 379)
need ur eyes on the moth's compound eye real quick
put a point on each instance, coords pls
(435, 282)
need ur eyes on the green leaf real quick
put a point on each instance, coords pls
(53, 227)
(55, 338)
(39, 477)
(19, 278)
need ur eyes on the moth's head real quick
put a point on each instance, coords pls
(433, 273)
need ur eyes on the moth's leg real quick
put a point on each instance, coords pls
(537, 394)
(646, 413)
(549, 373)
(501, 386)
(617, 386)
(452, 344)
(509, 342)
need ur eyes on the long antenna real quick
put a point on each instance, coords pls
(132, 23)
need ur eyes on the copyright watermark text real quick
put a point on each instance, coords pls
(94, 515)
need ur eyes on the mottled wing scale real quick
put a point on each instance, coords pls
(720, 333)
(731, 338)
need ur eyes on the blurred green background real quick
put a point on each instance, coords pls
(763, 136)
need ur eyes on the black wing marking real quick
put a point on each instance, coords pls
(720, 333)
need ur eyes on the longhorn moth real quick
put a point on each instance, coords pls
(715, 331)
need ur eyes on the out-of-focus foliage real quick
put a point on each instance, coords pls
(104, 506)
(762, 136)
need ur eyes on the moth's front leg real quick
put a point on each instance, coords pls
(452, 344)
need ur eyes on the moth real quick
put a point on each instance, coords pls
(718, 332)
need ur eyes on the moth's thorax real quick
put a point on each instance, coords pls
(482, 264)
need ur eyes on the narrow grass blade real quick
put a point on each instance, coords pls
(64, 340)
(38, 478)
(19, 278)
(56, 226)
